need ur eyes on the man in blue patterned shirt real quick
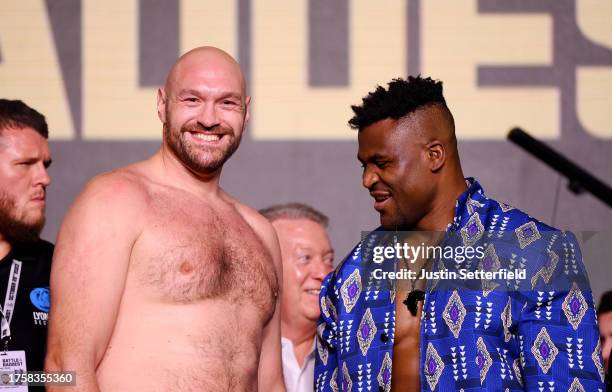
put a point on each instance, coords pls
(538, 333)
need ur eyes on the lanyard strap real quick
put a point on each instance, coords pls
(6, 311)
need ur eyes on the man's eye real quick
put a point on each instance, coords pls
(191, 99)
(382, 164)
(304, 258)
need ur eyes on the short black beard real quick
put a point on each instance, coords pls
(13, 230)
(189, 158)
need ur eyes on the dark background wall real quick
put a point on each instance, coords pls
(321, 169)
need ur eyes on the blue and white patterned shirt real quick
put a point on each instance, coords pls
(543, 338)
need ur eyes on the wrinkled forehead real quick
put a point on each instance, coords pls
(206, 75)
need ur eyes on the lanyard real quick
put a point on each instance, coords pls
(6, 311)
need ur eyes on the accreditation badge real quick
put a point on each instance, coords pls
(12, 363)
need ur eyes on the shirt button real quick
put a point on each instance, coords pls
(384, 338)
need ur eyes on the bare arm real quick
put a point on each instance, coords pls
(270, 365)
(88, 276)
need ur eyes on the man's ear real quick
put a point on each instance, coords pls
(247, 105)
(436, 155)
(161, 104)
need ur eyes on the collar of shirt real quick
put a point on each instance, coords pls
(465, 203)
(297, 379)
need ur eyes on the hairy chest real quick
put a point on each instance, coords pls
(189, 253)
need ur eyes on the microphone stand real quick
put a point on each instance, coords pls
(579, 179)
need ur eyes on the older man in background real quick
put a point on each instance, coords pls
(307, 258)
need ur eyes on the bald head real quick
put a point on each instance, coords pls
(208, 59)
(203, 108)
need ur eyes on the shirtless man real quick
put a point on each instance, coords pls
(162, 281)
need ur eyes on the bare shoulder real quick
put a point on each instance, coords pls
(119, 196)
(111, 211)
(122, 187)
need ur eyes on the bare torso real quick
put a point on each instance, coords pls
(199, 291)
(405, 370)
(406, 344)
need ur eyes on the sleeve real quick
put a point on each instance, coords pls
(326, 358)
(558, 334)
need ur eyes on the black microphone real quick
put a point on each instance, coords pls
(579, 179)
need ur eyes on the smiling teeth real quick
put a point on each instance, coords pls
(206, 137)
(313, 291)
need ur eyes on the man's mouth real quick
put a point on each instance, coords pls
(39, 197)
(314, 292)
(205, 138)
(380, 199)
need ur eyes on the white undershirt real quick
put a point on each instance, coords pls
(297, 379)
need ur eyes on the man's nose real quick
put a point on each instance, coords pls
(208, 117)
(320, 269)
(369, 177)
(42, 176)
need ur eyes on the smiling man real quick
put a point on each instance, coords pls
(161, 280)
(25, 259)
(307, 258)
(502, 336)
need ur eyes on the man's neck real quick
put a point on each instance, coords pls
(443, 207)
(5, 247)
(301, 338)
(184, 178)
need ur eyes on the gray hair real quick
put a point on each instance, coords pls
(294, 211)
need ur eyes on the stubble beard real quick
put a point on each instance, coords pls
(12, 228)
(199, 159)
